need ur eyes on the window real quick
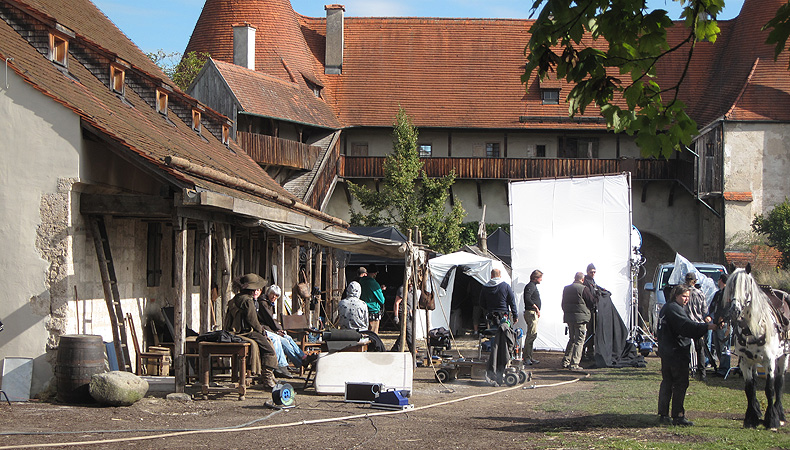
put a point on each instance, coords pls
(492, 149)
(196, 120)
(154, 254)
(226, 134)
(161, 102)
(550, 96)
(58, 49)
(425, 150)
(574, 147)
(117, 76)
(540, 151)
(359, 149)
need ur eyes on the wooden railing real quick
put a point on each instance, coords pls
(516, 168)
(323, 181)
(280, 152)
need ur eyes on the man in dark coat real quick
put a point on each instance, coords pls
(498, 298)
(576, 305)
(675, 332)
(241, 318)
(720, 341)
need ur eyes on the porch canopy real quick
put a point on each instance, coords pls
(344, 241)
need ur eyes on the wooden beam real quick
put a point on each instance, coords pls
(318, 267)
(224, 252)
(147, 206)
(179, 323)
(206, 312)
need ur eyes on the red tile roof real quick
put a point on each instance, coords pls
(465, 73)
(270, 96)
(133, 124)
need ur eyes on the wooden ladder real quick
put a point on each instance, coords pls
(111, 295)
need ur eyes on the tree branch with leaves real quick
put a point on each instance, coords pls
(608, 51)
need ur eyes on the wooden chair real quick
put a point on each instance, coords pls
(161, 359)
(299, 328)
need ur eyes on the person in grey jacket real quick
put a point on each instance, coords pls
(352, 313)
(576, 305)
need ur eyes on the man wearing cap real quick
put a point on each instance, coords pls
(372, 295)
(697, 309)
(241, 318)
(290, 350)
(531, 314)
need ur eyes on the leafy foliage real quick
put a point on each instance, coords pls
(408, 198)
(776, 226)
(608, 50)
(182, 71)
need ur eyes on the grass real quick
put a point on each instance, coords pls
(619, 412)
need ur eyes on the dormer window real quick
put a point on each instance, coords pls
(196, 120)
(58, 49)
(313, 86)
(550, 96)
(117, 78)
(226, 134)
(161, 102)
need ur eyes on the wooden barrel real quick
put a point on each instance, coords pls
(80, 356)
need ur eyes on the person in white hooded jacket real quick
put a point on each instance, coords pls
(352, 312)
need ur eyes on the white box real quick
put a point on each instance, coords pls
(392, 369)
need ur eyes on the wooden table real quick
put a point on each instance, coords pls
(236, 351)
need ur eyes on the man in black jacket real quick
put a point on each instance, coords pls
(576, 305)
(675, 332)
(498, 298)
(531, 314)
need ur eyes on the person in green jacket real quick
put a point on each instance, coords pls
(372, 295)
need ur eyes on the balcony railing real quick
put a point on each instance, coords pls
(516, 168)
(269, 150)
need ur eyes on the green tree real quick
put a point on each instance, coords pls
(608, 51)
(408, 198)
(181, 70)
(776, 227)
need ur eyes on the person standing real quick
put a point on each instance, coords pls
(242, 318)
(697, 309)
(498, 299)
(531, 314)
(588, 351)
(675, 331)
(721, 337)
(576, 304)
(372, 295)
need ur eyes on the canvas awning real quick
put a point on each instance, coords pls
(344, 241)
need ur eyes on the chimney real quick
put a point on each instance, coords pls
(244, 45)
(333, 60)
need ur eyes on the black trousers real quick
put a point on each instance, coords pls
(674, 382)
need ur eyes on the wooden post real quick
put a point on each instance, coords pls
(319, 261)
(402, 308)
(308, 271)
(205, 278)
(180, 303)
(281, 276)
(224, 252)
(330, 283)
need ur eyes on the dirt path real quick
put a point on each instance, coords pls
(465, 414)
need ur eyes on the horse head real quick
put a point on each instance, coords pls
(738, 293)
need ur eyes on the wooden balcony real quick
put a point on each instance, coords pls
(269, 150)
(516, 168)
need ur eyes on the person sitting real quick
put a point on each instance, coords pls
(352, 312)
(274, 331)
(241, 319)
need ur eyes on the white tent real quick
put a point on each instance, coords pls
(559, 226)
(477, 267)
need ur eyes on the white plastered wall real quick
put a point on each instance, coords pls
(756, 160)
(39, 160)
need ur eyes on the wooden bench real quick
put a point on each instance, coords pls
(236, 351)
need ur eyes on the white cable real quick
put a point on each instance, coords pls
(282, 425)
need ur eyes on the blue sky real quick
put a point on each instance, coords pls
(144, 20)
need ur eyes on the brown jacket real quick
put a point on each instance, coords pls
(241, 316)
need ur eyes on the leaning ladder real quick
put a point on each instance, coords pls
(111, 295)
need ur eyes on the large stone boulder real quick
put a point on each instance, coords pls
(117, 388)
